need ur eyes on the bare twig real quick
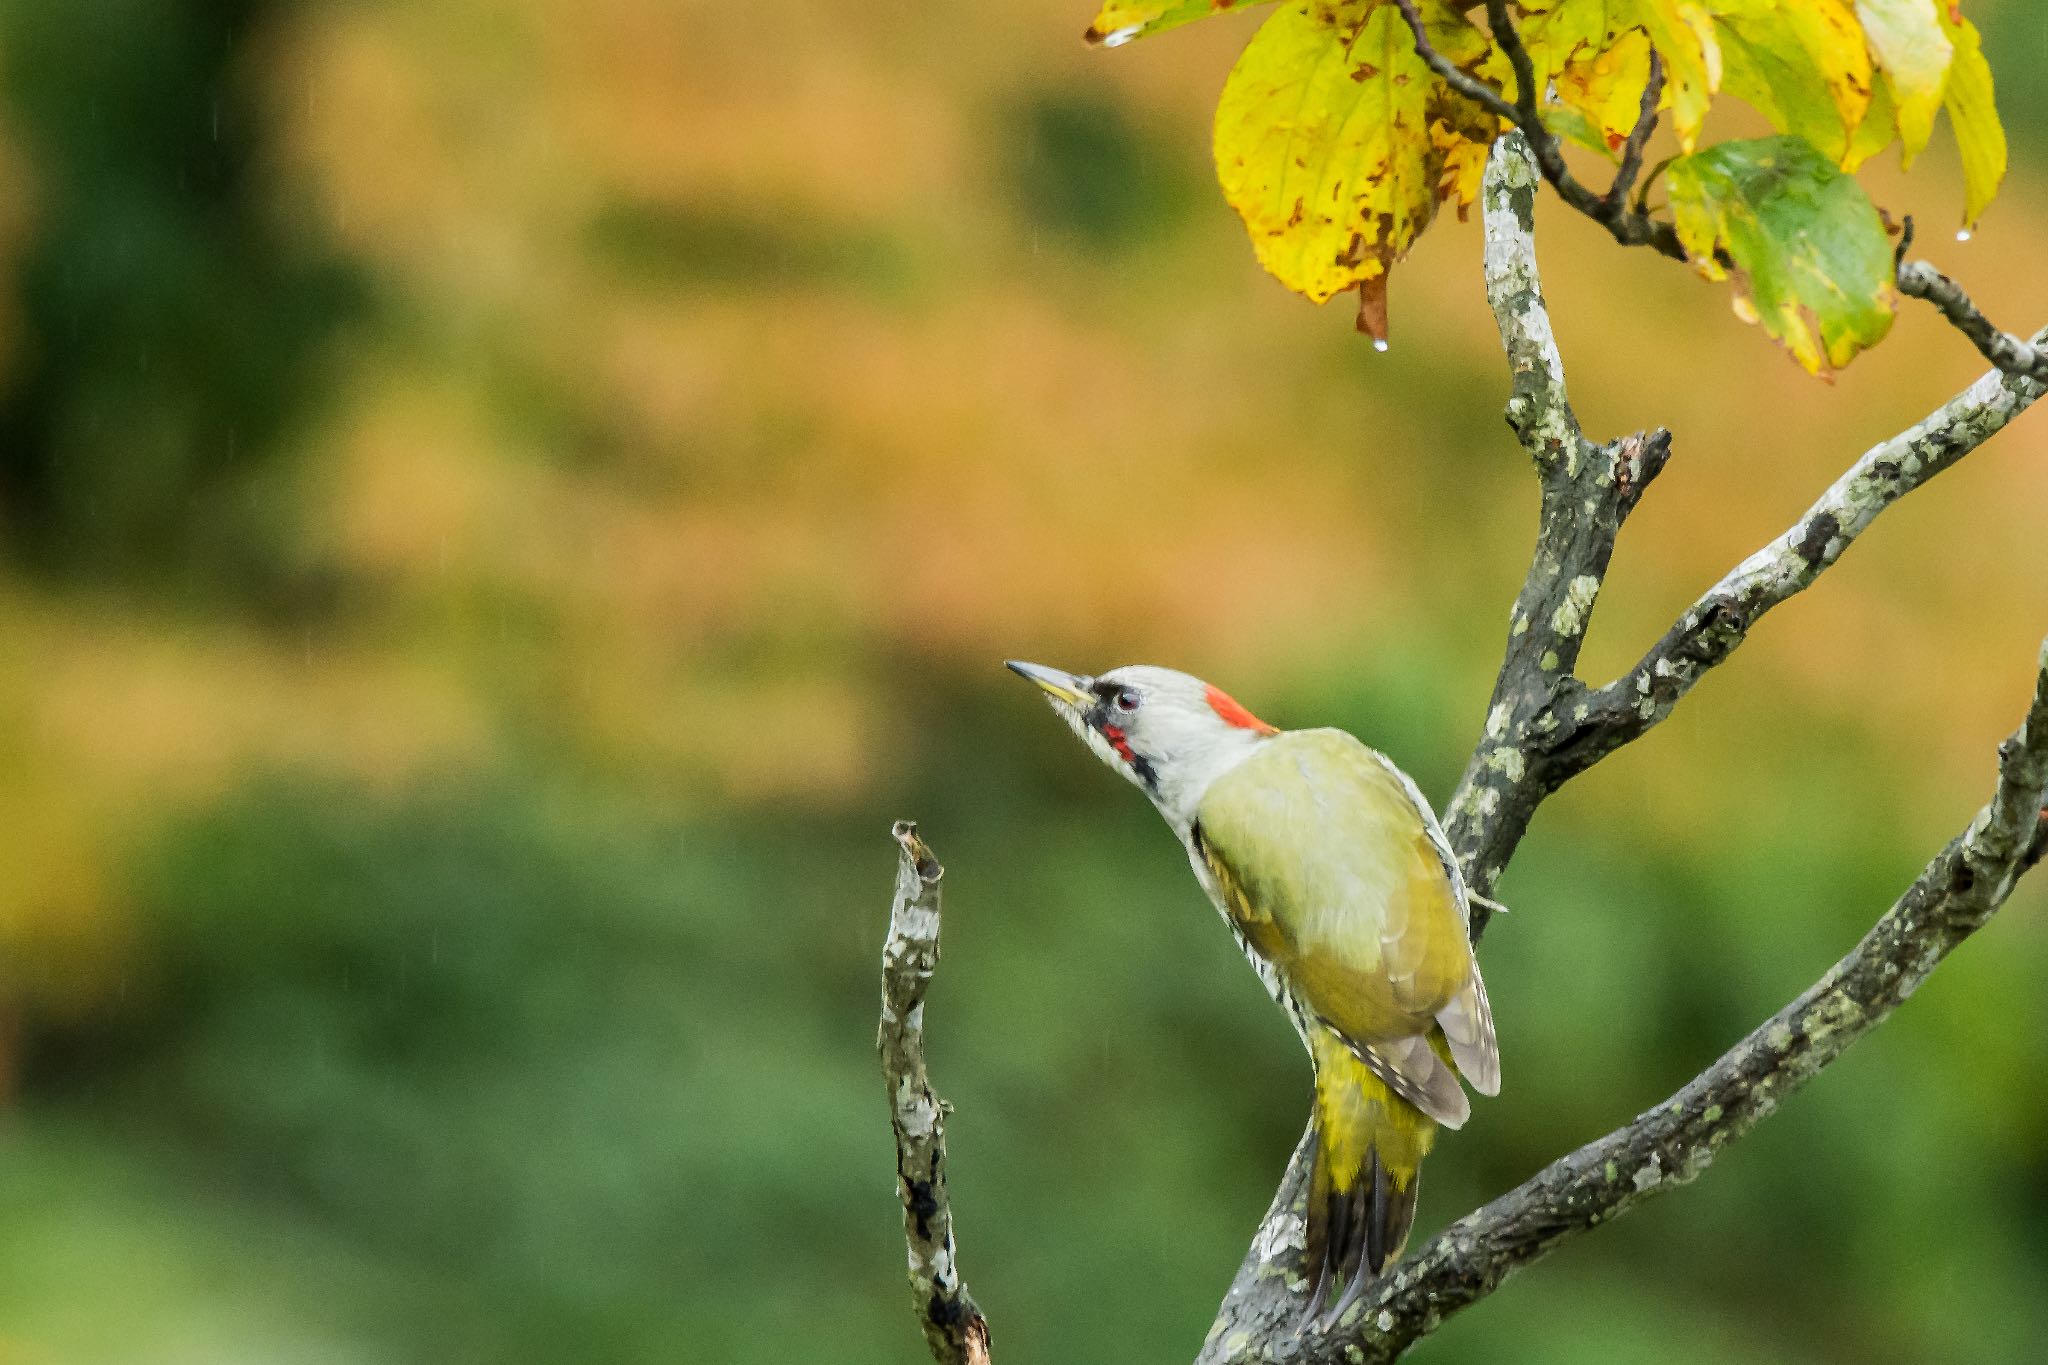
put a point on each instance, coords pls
(1638, 137)
(1672, 1143)
(1464, 82)
(2018, 358)
(953, 1327)
(1611, 211)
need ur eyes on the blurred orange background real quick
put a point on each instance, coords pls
(628, 435)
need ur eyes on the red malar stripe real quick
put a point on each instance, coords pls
(1115, 735)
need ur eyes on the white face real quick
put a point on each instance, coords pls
(1170, 734)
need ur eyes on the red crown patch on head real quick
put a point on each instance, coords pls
(1231, 711)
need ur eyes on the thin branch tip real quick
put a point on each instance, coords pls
(954, 1329)
(1616, 201)
(2012, 355)
(917, 853)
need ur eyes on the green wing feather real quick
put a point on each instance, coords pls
(1330, 870)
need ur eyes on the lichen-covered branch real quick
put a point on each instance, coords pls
(953, 1327)
(1596, 723)
(1588, 490)
(2013, 356)
(1671, 1144)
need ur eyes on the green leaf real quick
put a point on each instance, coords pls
(1809, 254)
(1913, 55)
(1802, 63)
(1973, 116)
(1324, 143)
(1119, 21)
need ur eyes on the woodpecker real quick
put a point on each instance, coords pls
(1334, 876)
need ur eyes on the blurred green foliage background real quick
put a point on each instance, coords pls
(503, 503)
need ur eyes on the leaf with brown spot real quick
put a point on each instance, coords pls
(1324, 141)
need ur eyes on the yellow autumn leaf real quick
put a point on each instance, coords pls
(1464, 165)
(1880, 127)
(1119, 21)
(1461, 131)
(1973, 117)
(1323, 142)
(1682, 31)
(1606, 85)
(1802, 63)
(1595, 53)
(1557, 32)
(1913, 55)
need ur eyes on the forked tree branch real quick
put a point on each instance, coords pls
(1543, 726)
(1587, 491)
(953, 1327)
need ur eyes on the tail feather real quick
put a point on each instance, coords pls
(1368, 1163)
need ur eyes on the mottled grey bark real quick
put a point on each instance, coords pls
(1592, 726)
(1587, 491)
(2021, 359)
(953, 1326)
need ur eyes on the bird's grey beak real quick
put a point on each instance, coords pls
(1070, 688)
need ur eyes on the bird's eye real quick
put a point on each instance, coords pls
(1127, 699)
